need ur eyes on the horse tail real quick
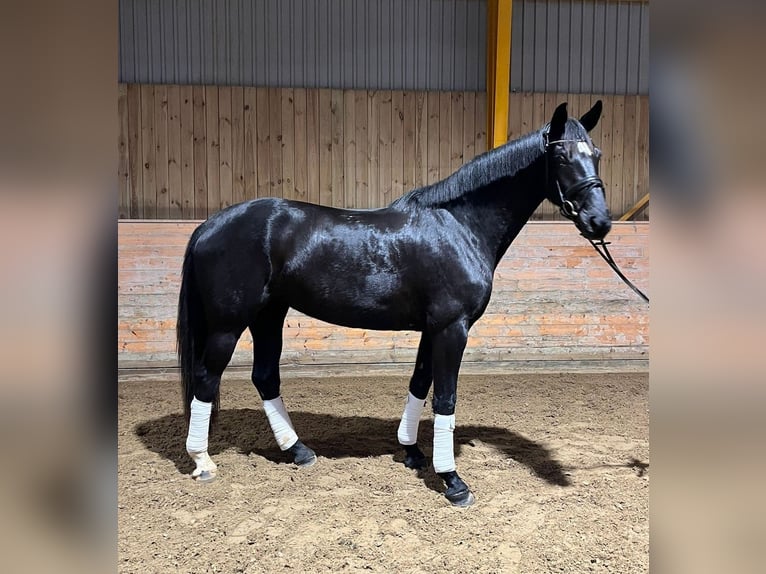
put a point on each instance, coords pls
(191, 330)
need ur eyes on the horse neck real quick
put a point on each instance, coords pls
(498, 211)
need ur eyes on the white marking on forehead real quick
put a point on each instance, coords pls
(583, 147)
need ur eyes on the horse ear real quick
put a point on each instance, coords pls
(558, 122)
(590, 118)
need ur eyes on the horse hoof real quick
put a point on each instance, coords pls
(303, 456)
(461, 499)
(306, 463)
(205, 476)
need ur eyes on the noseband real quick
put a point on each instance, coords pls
(570, 204)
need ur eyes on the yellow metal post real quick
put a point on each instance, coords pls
(499, 13)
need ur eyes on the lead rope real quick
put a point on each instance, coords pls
(610, 260)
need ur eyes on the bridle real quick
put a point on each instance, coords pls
(570, 208)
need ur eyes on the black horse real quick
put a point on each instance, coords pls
(424, 263)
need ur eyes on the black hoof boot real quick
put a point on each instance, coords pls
(414, 457)
(457, 491)
(303, 456)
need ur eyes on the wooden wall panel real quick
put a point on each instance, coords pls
(554, 301)
(123, 168)
(189, 151)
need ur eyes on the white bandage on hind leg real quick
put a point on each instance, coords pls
(408, 427)
(199, 426)
(444, 450)
(280, 423)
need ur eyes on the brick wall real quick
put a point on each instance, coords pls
(555, 305)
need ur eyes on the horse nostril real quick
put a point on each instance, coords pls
(600, 225)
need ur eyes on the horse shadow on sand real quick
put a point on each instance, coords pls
(336, 437)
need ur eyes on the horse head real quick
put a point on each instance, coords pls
(573, 183)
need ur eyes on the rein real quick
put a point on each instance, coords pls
(570, 210)
(601, 244)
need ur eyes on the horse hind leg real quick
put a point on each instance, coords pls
(219, 348)
(267, 349)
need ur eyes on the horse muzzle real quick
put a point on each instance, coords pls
(593, 227)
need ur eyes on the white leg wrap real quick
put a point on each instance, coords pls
(203, 463)
(444, 450)
(280, 423)
(199, 426)
(408, 427)
(196, 441)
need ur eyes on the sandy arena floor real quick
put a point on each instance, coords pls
(559, 465)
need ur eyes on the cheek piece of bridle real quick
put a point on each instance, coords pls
(570, 208)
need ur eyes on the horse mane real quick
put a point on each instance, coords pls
(502, 162)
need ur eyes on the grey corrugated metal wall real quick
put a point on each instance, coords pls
(580, 47)
(558, 46)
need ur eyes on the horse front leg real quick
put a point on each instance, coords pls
(420, 384)
(448, 346)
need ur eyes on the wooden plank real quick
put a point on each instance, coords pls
(349, 149)
(250, 140)
(213, 150)
(538, 119)
(325, 147)
(135, 152)
(237, 144)
(385, 131)
(299, 145)
(605, 164)
(397, 146)
(336, 122)
(630, 146)
(187, 152)
(373, 147)
(527, 112)
(199, 103)
(421, 139)
(618, 203)
(123, 170)
(538, 111)
(312, 145)
(480, 123)
(445, 134)
(432, 156)
(175, 189)
(161, 150)
(456, 131)
(408, 145)
(263, 142)
(642, 168)
(149, 199)
(361, 191)
(275, 142)
(469, 135)
(288, 143)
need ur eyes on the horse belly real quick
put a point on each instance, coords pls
(370, 301)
